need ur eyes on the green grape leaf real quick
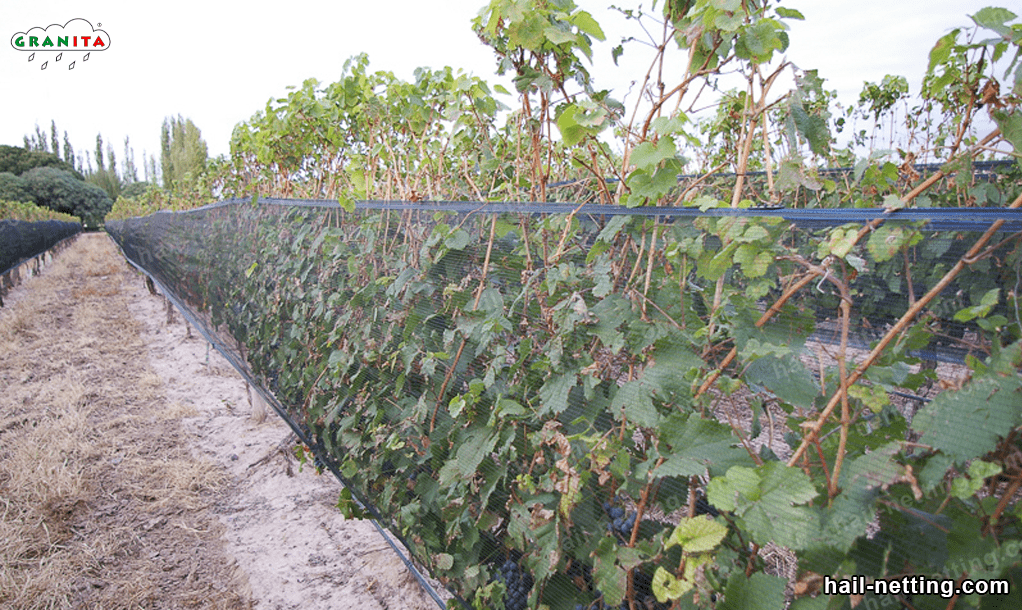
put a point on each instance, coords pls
(611, 569)
(789, 13)
(760, 40)
(995, 19)
(713, 265)
(553, 396)
(649, 155)
(635, 400)
(1011, 124)
(968, 423)
(753, 260)
(698, 446)
(672, 359)
(885, 242)
(347, 203)
(476, 445)
(558, 36)
(963, 488)
(786, 377)
(697, 535)
(458, 240)
(587, 25)
(612, 312)
(667, 587)
(842, 241)
(941, 51)
(874, 397)
(443, 561)
(893, 202)
(571, 132)
(987, 302)
(645, 185)
(757, 592)
(768, 499)
(813, 127)
(854, 509)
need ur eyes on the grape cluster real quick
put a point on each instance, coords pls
(622, 522)
(517, 583)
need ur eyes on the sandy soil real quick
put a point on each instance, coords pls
(133, 475)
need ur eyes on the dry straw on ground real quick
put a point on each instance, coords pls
(100, 504)
(132, 471)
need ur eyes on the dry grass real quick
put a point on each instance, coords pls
(100, 504)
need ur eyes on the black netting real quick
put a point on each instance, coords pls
(21, 240)
(520, 392)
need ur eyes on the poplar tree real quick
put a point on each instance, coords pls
(40, 140)
(69, 151)
(151, 174)
(168, 173)
(183, 151)
(54, 142)
(130, 173)
(99, 153)
(105, 176)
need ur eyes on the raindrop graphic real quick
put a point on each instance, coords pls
(43, 67)
(59, 55)
(72, 66)
(31, 57)
(86, 58)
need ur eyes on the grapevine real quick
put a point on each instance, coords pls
(552, 389)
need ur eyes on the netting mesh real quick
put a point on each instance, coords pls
(521, 394)
(21, 239)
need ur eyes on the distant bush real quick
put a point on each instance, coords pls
(20, 210)
(134, 190)
(62, 192)
(14, 188)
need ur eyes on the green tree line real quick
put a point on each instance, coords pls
(57, 177)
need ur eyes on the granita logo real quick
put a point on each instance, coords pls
(76, 37)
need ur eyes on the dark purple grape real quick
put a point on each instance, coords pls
(517, 585)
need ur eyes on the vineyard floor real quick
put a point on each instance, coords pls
(133, 475)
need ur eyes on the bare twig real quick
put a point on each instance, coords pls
(913, 311)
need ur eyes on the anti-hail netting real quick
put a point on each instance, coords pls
(526, 394)
(21, 239)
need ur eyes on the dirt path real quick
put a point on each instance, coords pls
(132, 475)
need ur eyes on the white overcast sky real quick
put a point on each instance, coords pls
(218, 62)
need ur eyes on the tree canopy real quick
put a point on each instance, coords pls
(17, 160)
(14, 188)
(63, 192)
